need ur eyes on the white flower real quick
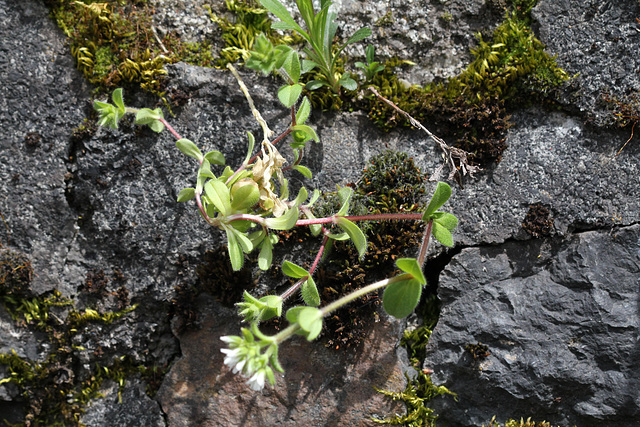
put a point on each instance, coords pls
(239, 366)
(256, 382)
(232, 357)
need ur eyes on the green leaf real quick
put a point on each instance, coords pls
(218, 194)
(359, 35)
(281, 25)
(156, 126)
(285, 222)
(117, 99)
(309, 292)
(401, 298)
(266, 254)
(291, 66)
(302, 196)
(307, 66)
(146, 116)
(344, 194)
(243, 240)
(315, 84)
(275, 7)
(252, 143)
(205, 170)
(292, 270)
(339, 237)
(189, 148)
(303, 111)
(306, 129)
(245, 195)
(411, 266)
(289, 94)
(215, 157)
(314, 197)
(447, 220)
(186, 194)
(303, 170)
(235, 251)
(273, 307)
(348, 83)
(314, 228)
(370, 53)
(293, 313)
(439, 198)
(355, 234)
(442, 234)
(310, 320)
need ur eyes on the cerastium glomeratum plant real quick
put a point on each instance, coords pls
(251, 203)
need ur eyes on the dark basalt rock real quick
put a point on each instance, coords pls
(560, 321)
(558, 314)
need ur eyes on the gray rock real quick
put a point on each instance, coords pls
(559, 315)
(560, 320)
(597, 42)
(41, 101)
(131, 407)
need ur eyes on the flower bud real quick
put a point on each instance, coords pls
(244, 194)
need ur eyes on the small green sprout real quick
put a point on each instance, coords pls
(320, 31)
(371, 68)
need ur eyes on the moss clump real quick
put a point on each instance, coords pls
(52, 391)
(390, 183)
(251, 19)
(478, 351)
(15, 274)
(624, 112)
(538, 221)
(514, 423)
(420, 390)
(113, 42)
(510, 70)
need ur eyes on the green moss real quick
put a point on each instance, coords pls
(52, 392)
(510, 70)
(390, 183)
(386, 20)
(251, 19)
(420, 390)
(522, 423)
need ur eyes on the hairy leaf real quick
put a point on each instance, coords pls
(307, 130)
(303, 170)
(292, 270)
(303, 111)
(442, 234)
(285, 222)
(439, 198)
(411, 266)
(189, 148)
(235, 251)
(309, 292)
(401, 298)
(215, 157)
(186, 194)
(355, 234)
(218, 194)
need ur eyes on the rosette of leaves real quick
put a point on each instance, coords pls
(321, 27)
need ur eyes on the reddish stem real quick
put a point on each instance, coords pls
(373, 217)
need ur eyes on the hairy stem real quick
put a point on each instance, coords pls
(286, 294)
(373, 217)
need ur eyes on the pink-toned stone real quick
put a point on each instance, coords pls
(320, 386)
